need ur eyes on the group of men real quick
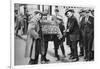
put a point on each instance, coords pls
(37, 42)
(81, 32)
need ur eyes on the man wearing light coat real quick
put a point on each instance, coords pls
(33, 39)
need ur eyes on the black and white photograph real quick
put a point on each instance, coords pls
(47, 34)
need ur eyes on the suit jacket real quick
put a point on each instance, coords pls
(90, 24)
(73, 27)
(87, 27)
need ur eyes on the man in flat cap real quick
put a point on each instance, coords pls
(87, 29)
(73, 29)
(58, 42)
(88, 35)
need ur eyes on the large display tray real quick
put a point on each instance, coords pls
(50, 29)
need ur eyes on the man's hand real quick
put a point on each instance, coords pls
(67, 30)
(36, 37)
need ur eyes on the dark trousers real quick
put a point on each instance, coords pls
(45, 48)
(62, 45)
(81, 44)
(37, 51)
(62, 48)
(88, 41)
(74, 49)
(71, 50)
(68, 42)
(56, 46)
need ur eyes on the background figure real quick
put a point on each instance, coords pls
(59, 42)
(73, 30)
(89, 35)
(81, 41)
(19, 24)
(92, 51)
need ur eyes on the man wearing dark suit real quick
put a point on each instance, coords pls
(73, 30)
(81, 42)
(88, 35)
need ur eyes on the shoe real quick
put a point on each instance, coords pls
(64, 56)
(32, 62)
(86, 60)
(42, 62)
(70, 54)
(46, 60)
(58, 58)
(76, 59)
(81, 55)
(71, 57)
(85, 57)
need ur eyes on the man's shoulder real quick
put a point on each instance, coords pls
(91, 17)
(73, 18)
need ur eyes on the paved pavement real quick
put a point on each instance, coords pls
(20, 43)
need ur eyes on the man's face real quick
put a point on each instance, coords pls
(16, 12)
(69, 14)
(82, 14)
(87, 14)
(39, 16)
(56, 12)
(44, 17)
(92, 13)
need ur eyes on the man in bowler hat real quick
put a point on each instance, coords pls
(73, 29)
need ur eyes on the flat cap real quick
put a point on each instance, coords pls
(37, 11)
(82, 11)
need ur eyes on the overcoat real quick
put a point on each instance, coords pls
(73, 28)
(32, 35)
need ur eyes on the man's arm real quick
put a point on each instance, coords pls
(72, 25)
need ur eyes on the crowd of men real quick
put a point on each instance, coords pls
(81, 32)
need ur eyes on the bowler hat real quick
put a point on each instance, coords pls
(70, 10)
